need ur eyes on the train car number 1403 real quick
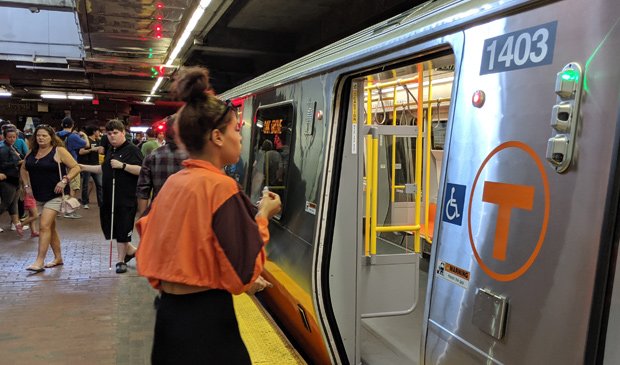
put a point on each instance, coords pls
(525, 48)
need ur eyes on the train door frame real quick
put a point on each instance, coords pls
(339, 134)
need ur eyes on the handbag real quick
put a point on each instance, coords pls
(68, 204)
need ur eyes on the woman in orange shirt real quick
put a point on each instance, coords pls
(203, 239)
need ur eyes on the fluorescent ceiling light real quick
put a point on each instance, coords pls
(138, 129)
(189, 28)
(81, 97)
(5, 93)
(54, 96)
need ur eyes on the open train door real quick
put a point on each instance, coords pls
(370, 276)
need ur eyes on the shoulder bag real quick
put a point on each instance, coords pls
(69, 204)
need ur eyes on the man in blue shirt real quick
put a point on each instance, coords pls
(73, 143)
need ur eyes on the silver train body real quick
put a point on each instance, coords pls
(526, 187)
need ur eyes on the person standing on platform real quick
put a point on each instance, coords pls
(89, 155)
(10, 162)
(120, 169)
(48, 169)
(150, 144)
(157, 167)
(189, 249)
(73, 143)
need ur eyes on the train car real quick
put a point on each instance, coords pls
(486, 130)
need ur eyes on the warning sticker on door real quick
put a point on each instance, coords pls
(453, 274)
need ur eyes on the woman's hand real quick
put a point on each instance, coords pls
(259, 285)
(269, 205)
(2, 177)
(116, 164)
(28, 190)
(60, 186)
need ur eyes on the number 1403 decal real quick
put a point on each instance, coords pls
(529, 47)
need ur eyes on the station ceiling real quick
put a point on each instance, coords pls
(120, 47)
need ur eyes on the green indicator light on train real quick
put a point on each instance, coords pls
(570, 75)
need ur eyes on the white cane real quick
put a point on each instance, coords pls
(112, 219)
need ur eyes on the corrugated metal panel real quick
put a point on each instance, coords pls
(429, 18)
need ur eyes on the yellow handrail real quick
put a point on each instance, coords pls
(369, 174)
(418, 158)
(373, 224)
(427, 171)
(397, 228)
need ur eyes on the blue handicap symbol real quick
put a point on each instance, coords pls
(454, 202)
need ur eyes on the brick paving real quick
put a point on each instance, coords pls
(78, 313)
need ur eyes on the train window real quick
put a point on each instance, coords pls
(273, 135)
(392, 98)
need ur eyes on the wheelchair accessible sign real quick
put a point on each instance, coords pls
(453, 210)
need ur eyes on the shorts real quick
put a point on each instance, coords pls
(29, 202)
(76, 182)
(53, 204)
(124, 218)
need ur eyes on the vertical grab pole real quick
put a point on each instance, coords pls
(369, 170)
(375, 173)
(418, 156)
(394, 145)
(427, 165)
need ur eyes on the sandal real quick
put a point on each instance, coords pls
(121, 267)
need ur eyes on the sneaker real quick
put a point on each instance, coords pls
(86, 206)
(121, 267)
(73, 215)
(1, 230)
(13, 228)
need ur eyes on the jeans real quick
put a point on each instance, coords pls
(97, 180)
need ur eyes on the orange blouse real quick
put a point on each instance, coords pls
(201, 231)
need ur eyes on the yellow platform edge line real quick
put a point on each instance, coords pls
(262, 337)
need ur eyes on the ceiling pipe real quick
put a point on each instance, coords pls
(26, 67)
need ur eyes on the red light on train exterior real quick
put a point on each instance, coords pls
(478, 98)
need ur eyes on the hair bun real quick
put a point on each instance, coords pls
(191, 84)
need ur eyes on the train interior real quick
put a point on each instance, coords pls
(409, 105)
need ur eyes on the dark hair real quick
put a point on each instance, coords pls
(170, 120)
(67, 123)
(115, 124)
(150, 133)
(9, 128)
(202, 113)
(90, 129)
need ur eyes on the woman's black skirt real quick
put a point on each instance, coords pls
(198, 328)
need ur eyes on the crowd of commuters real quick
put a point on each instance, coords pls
(177, 184)
(38, 173)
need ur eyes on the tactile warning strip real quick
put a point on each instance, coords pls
(265, 342)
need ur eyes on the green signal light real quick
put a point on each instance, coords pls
(570, 75)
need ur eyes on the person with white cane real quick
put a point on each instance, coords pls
(120, 171)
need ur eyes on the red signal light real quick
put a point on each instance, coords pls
(160, 5)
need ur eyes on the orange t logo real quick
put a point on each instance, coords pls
(507, 197)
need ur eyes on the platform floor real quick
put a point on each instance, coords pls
(83, 313)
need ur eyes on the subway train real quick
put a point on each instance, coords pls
(446, 199)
